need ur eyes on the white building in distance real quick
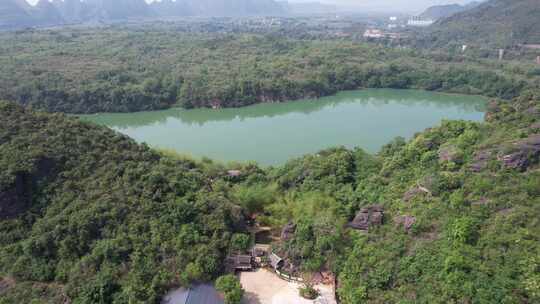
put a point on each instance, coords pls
(374, 34)
(419, 21)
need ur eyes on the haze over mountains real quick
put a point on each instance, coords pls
(18, 13)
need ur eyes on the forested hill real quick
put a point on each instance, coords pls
(498, 23)
(444, 11)
(153, 67)
(88, 215)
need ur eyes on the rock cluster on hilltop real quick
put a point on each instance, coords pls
(405, 221)
(524, 153)
(368, 217)
(480, 160)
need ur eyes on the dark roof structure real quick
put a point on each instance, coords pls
(199, 294)
(239, 262)
(260, 250)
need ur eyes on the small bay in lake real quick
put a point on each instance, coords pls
(272, 133)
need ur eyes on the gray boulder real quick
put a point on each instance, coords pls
(406, 221)
(480, 160)
(368, 217)
(449, 154)
(526, 152)
(414, 192)
(535, 126)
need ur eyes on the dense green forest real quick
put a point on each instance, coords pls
(88, 214)
(91, 212)
(133, 68)
(494, 23)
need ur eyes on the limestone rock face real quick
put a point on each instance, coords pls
(5, 284)
(527, 152)
(480, 160)
(368, 217)
(535, 126)
(533, 111)
(449, 154)
(411, 193)
(493, 108)
(406, 221)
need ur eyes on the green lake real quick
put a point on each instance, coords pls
(273, 133)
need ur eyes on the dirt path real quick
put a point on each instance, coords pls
(264, 287)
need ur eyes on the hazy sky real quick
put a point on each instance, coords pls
(395, 5)
(389, 4)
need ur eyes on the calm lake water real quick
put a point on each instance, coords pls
(273, 133)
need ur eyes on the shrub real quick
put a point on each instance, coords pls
(309, 292)
(231, 288)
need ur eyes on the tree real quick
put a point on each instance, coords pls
(231, 288)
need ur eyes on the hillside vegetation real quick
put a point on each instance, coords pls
(444, 11)
(89, 212)
(497, 23)
(156, 67)
(89, 215)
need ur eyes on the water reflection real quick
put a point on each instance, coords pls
(372, 97)
(273, 133)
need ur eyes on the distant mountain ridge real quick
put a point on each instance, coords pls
(18, 13)
(309, 8)
(498, 23)
(217, 7)
(12, 14)
(45, 13)
(444, 11)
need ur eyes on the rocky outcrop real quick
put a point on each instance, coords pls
(414, 192)
(526, 152)
(480, 160)
(234, 173)
(5, 284)
(535, 126)
(288, 231)
(368, 217)
(449, 154)
(406, 221)
(481, 202)
(533, 111)
(492, 109)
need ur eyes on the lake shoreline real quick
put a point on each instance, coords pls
(302, 99)
(272, 133)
